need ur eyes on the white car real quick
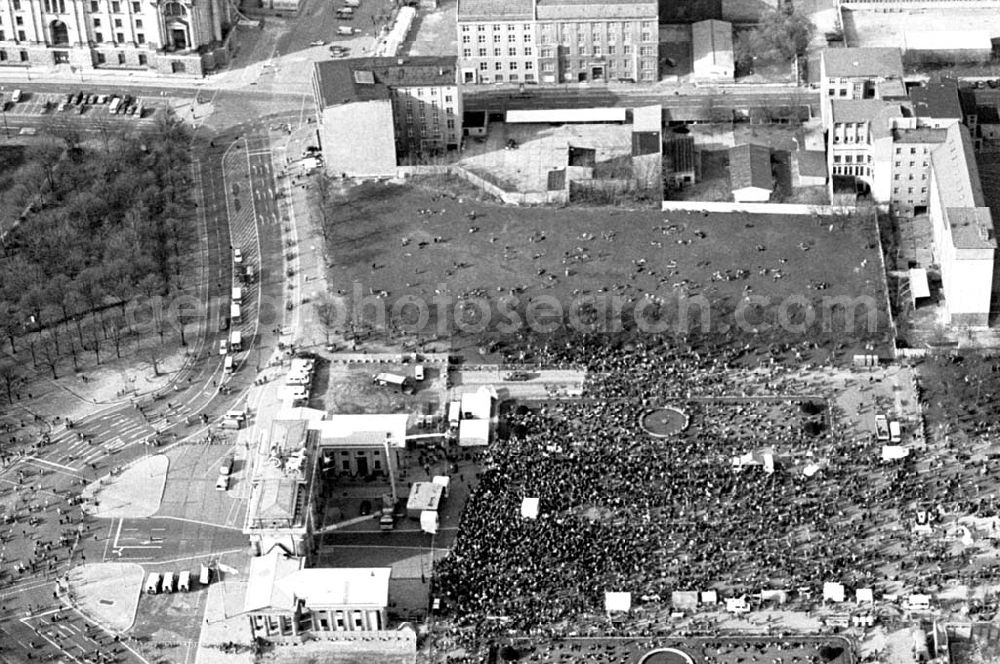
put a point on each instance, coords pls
(16, 97)
(223, 347)
(237, 256)
(318, 42)
(222, 484)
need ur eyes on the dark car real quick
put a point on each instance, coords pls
(366, 508)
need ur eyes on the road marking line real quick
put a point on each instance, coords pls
(213, 554)
(200, 523)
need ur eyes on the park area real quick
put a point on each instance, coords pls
(433, 263)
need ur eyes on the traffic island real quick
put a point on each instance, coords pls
(107, 593)
(132, 492)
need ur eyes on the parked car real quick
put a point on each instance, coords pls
(222, 484)
(366, 508)
(517, 376)
(237, 255)
(318, 42)
(16, 97)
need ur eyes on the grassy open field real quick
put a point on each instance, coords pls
(417, 253)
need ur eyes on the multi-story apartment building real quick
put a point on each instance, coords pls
(375, 113)
(170, 37)
(557, 41)
(913, 157)
(860, 73)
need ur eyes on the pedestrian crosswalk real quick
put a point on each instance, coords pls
(78, 447)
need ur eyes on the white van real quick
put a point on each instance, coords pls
(16, 97)
(895, 434)
(184, 582)
(153, 583)
(418, 372)
(115, 103)
(237, 295)
(229, 365)
(234, 313)
(168, 582)
(236, 341)
(206, 575)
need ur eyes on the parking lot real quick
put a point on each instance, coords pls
(81, 102)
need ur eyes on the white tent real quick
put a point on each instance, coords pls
(737, 605)
(684, 599)
(442, 481)
(893, 452)
(617, 601)
(833, 592)
(529, 508)
(810, 470)
(429, 521)
(864, 596)
(709, 597)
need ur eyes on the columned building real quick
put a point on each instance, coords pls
(162, 36)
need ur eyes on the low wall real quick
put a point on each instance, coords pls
(757, 208)
(508, 197)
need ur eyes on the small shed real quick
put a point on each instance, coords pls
(529, 508)
(809, 168)
(750, 173)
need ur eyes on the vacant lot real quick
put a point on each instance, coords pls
(412, 264)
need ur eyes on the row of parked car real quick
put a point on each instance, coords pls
(117, 105)
(170, 582)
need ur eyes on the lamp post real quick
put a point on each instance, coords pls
(3, 108)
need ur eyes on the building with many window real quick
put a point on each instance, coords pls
(913, 156)
(165, 36)
(557, 41)
(377, 113)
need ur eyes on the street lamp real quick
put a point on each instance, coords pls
(3, 109)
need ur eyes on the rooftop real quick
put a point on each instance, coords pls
(971, 228)
(596, 9)
(750, 166)
(920, 135)
(937, 99)
(876, 62)
(369, 79)
(278, 581)
(812, 163)
(856, 110)
(364, 429)
(471, 10)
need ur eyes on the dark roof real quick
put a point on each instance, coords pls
(750, 166)
(937, 99)
(645, 142)
(812, 163)
(987, 115)
(366, 79)
(678, 153)
(474, 118)
(920, 135)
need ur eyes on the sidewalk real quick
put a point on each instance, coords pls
(224, 623)
(108, 593)
(137, 492)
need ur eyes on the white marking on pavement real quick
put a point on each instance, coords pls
(200, 523)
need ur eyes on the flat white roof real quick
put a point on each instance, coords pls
(918, 283)
(392, 426)
(339, 586)
(472, 433)
(425, 496)
(478, 404)
(566, 115)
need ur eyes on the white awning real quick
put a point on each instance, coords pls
(529, 508)
(561, 115)
(918, 284)
(893, 452)
(617, 602)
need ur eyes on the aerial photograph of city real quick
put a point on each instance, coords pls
(491, 331)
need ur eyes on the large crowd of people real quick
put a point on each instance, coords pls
(623, 511)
